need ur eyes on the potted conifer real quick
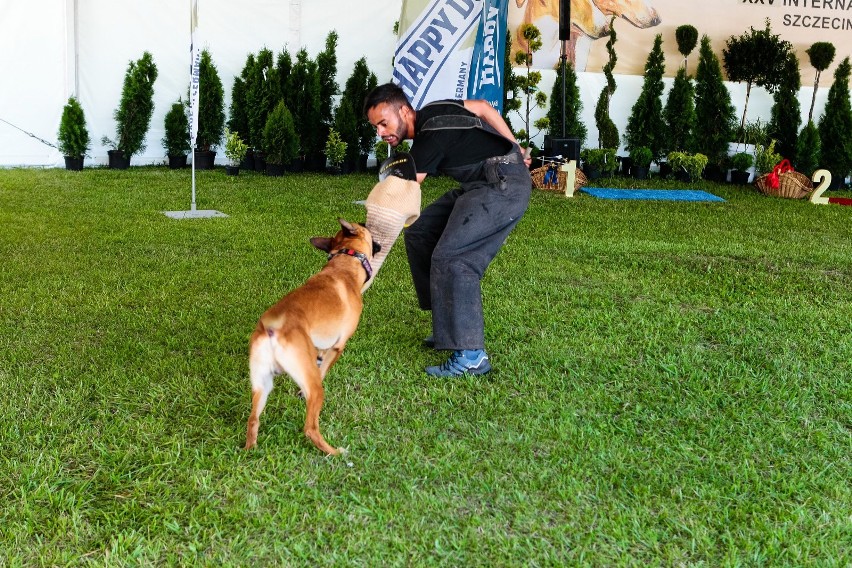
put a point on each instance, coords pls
(211, 112)
(646, 127)
(280, 140)
(346, 130)
(741, 162)
(608, 136)
(73, 135)
(133, 115)
(835, 126)
(357, 87)
(640, 157)
(571, 107)
(679, 112)
(176, 139)
(238, 111)
(714, 113)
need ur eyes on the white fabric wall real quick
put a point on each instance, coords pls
(37, 61)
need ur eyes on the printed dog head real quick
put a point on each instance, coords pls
(353, 236)
(640, 13)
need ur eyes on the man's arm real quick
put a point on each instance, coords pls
(489, 114)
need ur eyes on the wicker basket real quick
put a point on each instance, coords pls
(538, 180)
(791, 185)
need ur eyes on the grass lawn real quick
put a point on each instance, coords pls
(671, 384)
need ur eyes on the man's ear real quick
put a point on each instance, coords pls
(322, 243)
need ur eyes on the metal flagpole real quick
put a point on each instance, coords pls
(194, 84)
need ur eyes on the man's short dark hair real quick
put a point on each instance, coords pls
(388, 93)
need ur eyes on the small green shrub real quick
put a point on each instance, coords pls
(766, 158)
(692, 164)
(235, 148)
(73, 134)
(280, 139)
(601, 159)
(381, 149)
(335, 148)
(742, 161)
(641, 156)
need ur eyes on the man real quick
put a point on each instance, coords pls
(456, 237)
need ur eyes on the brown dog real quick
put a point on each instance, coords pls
(305, 332)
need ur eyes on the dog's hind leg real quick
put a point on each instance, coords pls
(328, 358)
(261, 374)
(298, 359)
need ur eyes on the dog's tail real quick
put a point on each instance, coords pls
(271, 323)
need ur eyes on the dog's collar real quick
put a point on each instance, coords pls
(359, 255)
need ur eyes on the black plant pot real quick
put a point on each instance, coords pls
(232, 170)
(591, 173)
(333, 170)
(117, 161)
(665, 170)
(347, 167)
(361, 164)
(683, 175)
(177, 162)
(275, 170)
(248, 161)
(259, 161)
(204, 159)
(626, 164)
(73, 164)
(836, 182)
(639, 172)
(714, 172)
(315, 162)
(740, 177)
(297, 165)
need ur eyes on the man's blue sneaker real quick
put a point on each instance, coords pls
(470, 361)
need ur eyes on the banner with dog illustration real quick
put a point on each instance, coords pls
(637, 22)
(451, 49)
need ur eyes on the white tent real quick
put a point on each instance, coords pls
(51, 49)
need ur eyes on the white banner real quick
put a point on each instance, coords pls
(195, 51)
(436, 43)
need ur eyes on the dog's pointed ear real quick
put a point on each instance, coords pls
(322, 243)
(347, 226)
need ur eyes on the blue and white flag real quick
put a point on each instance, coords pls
(194, 72)
(451, 49)
(487, 63)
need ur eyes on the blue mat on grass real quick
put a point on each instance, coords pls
(654, 194)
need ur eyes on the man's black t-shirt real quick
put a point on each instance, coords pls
(435, 150)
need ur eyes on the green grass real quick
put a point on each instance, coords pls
(671, 385)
